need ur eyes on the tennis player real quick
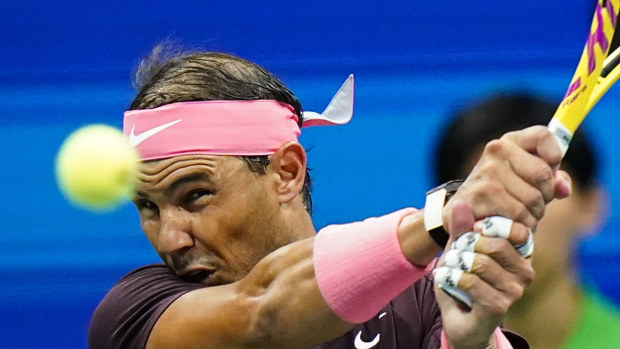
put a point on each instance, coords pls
(224, 198)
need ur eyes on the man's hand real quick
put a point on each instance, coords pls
(515, 177)
(495, 278)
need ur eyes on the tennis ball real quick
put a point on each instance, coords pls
(96, 167)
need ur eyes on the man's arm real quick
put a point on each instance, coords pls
(279, 304)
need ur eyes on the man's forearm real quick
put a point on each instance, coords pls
(415, 242)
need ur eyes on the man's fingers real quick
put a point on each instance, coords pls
(487, 195)
(516, 177)
(488, 270)
(502, 227)
(518, 235)
(539, 141)
(463, 260)
(447, 279)
(464, 275)
(472, 292)
(506, 256)
(488, 235)
(459, 217)
(526, 249)
(532, 177)
(563, 185)
(495, 226)
(487, 297)
(537, 176)
(467, 242)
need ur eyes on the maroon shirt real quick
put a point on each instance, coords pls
(126, 316)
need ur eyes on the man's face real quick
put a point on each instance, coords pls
(564, 222)
(209, 217)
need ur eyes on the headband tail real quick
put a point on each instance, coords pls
(339, 110)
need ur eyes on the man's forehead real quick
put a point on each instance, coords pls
(166, 175)
(208, 163)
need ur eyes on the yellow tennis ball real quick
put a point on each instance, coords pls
(96, 167)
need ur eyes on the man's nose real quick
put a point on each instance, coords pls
(175, 231)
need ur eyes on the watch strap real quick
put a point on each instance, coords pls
(436, 199)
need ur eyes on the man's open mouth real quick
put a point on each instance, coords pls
(196, 275)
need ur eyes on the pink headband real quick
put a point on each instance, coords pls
(226, 127)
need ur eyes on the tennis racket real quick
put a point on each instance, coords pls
(595, 74)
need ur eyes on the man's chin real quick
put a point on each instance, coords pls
(217, 279)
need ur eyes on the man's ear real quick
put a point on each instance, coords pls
(288, 165)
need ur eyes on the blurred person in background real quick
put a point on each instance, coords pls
(557, 311)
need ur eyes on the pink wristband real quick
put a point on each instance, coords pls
(360, 267)
(500, 339)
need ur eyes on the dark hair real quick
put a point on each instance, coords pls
(472, 127)
(167, 76)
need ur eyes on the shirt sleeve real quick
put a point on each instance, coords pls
(430, 316)
(420, 318)
(127, 314)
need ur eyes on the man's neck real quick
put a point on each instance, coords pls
(547, 316)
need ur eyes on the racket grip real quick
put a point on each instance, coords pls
(562, 135)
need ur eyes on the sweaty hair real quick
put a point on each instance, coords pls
(166, 77)
(472, 127)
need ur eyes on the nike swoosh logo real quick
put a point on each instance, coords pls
(135, 139)
(361, 344)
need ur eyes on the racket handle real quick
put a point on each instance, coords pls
(562, 135)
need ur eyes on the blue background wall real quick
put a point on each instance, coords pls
(68, 63)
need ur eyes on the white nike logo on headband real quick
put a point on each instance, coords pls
(135, 139)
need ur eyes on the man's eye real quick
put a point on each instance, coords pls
(198, 195)
(147, 208)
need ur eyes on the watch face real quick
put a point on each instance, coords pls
(454, 185)
(451, 186)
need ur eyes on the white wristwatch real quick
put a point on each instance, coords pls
(436, 199)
